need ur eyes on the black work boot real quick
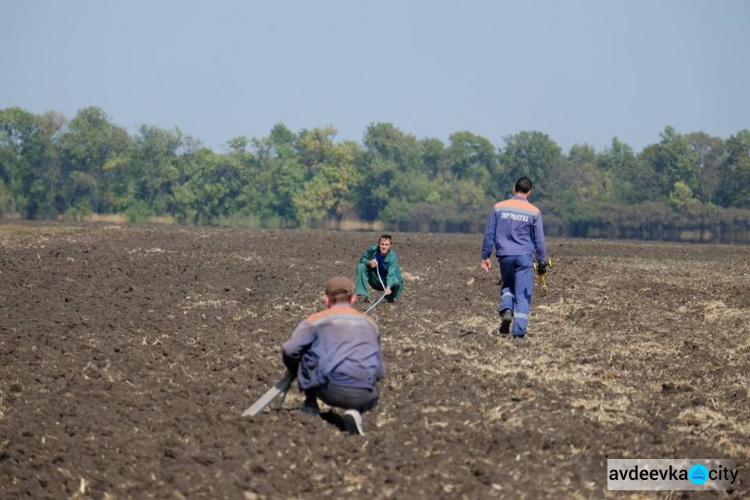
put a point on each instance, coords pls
(310, 406)
(506, 317)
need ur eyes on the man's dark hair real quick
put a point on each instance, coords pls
(385, 237)
(524, 185)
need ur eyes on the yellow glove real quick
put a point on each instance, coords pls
(541, 270)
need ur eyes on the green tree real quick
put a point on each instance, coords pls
(680, 195)
(644, 182)
(586, 179)
(435, 160)
(89, 142)
(392, 173)
(17, 127)
(47, 166)
(215, 187)
(330, 191)
(735, 171)
(238, 145)
(5, 196)
(710, 152)
(619, 172)
(535, 155)
(332, 176)
(473, 157)
(157, 167)
(316, 148)
(672, 160)
(29, 161)
(277, 174)
(469, 197)
(280, 137)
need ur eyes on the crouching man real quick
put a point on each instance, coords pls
(336, 356)
(378, 267)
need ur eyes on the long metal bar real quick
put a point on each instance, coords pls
(281, 387)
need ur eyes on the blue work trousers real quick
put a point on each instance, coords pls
(517, 273)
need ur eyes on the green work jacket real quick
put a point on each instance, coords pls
(391, 262)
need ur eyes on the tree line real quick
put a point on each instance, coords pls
(683, 187)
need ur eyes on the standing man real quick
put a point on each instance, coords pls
(336, 356)
(515, 229)
(378, 266)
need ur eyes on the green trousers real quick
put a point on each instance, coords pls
(366, 274)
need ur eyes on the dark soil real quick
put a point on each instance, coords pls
(127, 355)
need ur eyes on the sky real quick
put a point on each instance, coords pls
(580, 71)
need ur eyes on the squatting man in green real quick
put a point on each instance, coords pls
(378, 267)
(336, 356)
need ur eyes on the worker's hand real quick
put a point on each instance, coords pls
(541, 267)
(486, 265)
(387, 291)
(373, 263)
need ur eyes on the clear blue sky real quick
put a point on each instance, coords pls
(580, 71)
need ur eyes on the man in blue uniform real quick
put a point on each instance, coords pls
(515, 229)
(336, 356)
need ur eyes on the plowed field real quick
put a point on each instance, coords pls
(128, 353)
